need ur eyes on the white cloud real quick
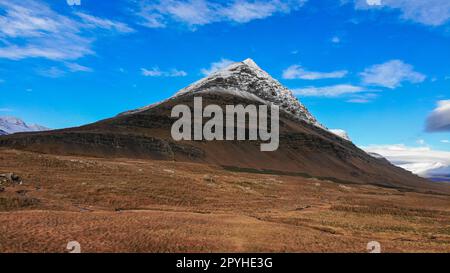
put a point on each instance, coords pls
(362, 98)
(373, 2)
(52, 72)
(156, 72)
(341, 133)
(297, 72)
(446, 141)
(391, 74)
(245, 11)
(216, 66)
(358, 100)
(329, 91)
(421, 142)
(96, 22)
(422, 161)
(336, 40)
(74, 67)
(157, 14)
(177, 73)
(427, 12)
(439, 119)
(60, 71)
(31, 29)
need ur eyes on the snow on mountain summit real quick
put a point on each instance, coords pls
(246, 78)
(11, 125)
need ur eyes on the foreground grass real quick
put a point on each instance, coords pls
(113, 205)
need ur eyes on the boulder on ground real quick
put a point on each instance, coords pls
(208, 178)
(10, 178)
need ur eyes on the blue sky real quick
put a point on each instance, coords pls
(379, 69)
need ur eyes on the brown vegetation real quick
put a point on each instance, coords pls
(131, 205)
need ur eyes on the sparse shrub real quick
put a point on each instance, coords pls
(11, 203)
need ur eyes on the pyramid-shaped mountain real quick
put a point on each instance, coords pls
(306, 148)
(247, 79)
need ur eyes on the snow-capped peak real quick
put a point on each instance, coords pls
(251, 63)
(11, 125)
(247, 79)
(13, 121)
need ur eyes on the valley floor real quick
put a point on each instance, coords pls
(125, 205)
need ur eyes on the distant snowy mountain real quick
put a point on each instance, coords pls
(11, 125)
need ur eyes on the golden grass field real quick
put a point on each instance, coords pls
(124, 205)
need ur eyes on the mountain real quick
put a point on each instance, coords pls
(11, 125)
(306, 147)
(247, 80)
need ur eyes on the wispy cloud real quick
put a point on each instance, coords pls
(329, 91)
(158, 14)
(216, 66)
(96, 22)
(298, 72)
(363, 98)
(31, 29)
(156, 72)
(58, 71)
(335, 40)
(391, 74)
(74, 67)
(421, 141)
(427, 12)
(52, 72)
(439, 119)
